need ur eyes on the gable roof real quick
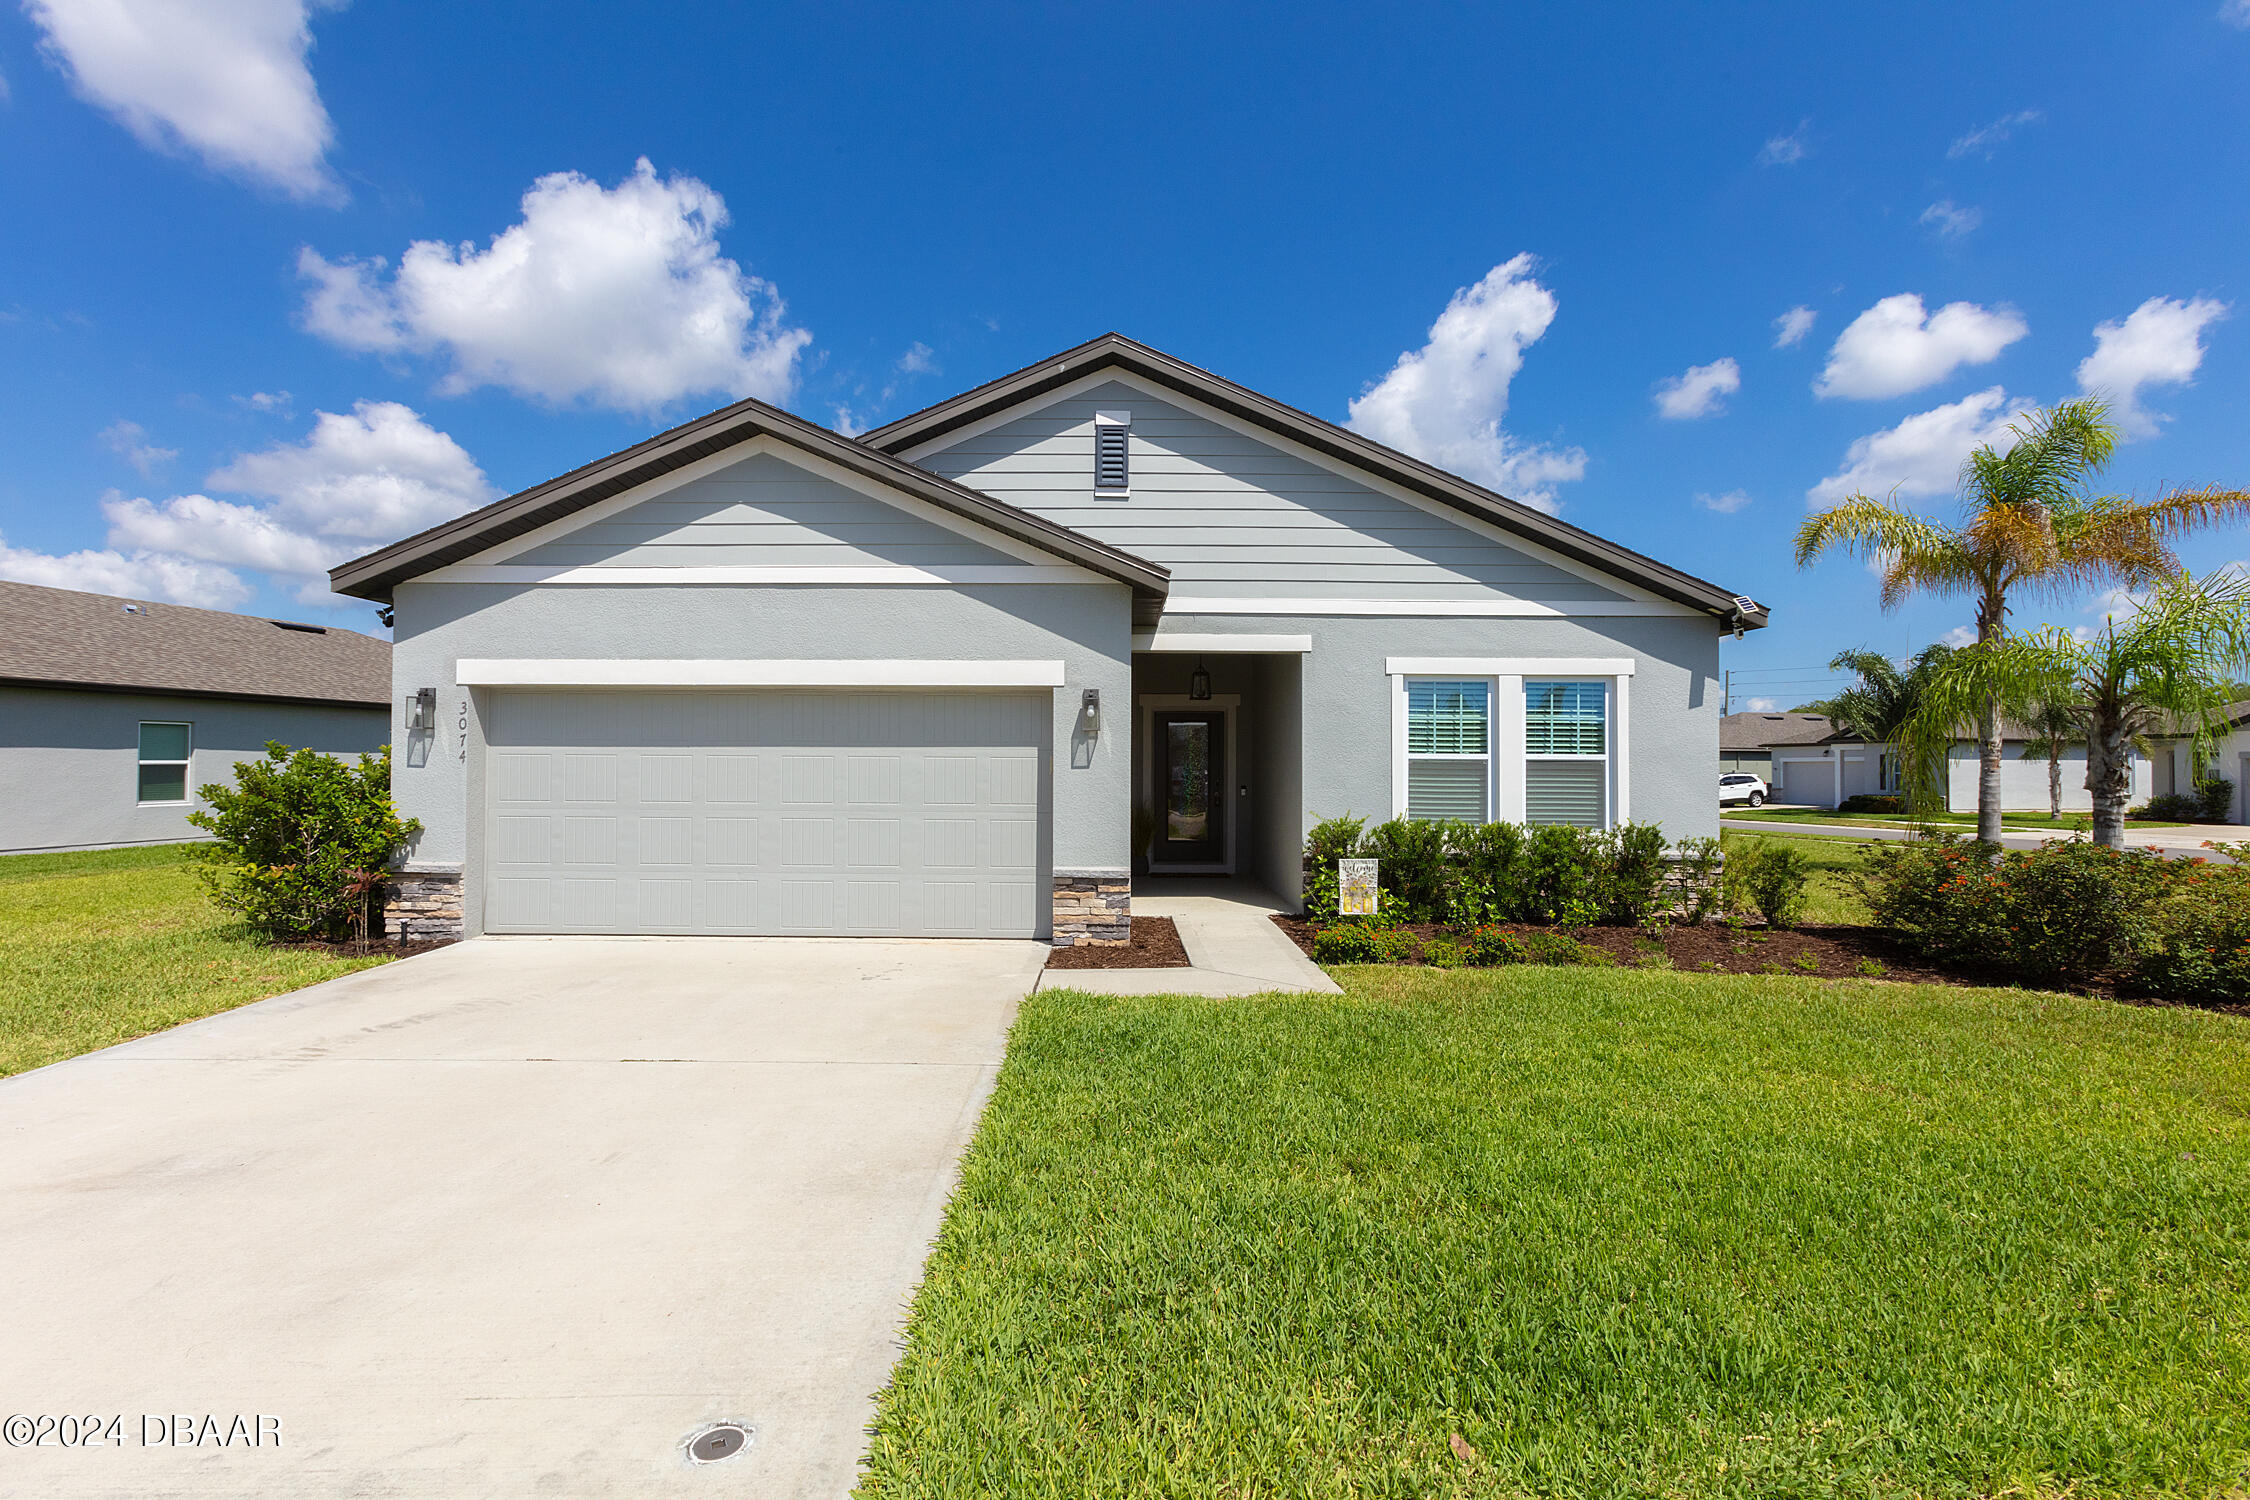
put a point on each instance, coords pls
(373, 576)
(63, 638)
(1761, 731)
(1115, 351)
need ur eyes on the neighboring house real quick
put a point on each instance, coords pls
(966, 675)
(2174, 769)
(1815, 764)
(114, 711)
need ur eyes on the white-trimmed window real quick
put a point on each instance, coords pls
(165, 748)
(1448, 749)
(1886, 772)
(1566, 753)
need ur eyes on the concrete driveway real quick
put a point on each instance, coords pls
(517, 1217)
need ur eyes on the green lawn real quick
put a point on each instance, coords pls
(1835, 896)
(2068, 822)
(1626, 1232)
(102, 947)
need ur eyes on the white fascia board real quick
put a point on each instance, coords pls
(1179, 604)
(1508, 666)
(1076, 388)
(695, 672)
(879, 575)
(1241, 645)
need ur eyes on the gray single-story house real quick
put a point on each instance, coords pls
(1815, 764)
(114, 711)
(966, 675)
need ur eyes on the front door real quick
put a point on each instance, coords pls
(1191, 779)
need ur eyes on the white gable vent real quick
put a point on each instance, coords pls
(1113, 431)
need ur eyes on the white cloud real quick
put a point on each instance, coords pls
(215, 531)
(1894, 347)
(1760, 706)
(1792, 326)
(1443, 403)
(224, 79)
(129, 441)
(1986, 140)
(1786, 150)
(1959, 636)
(1951, 221)
(178, 580)
(2236, 13)
(265, 401)
(617, 296)
(1923, 454)
(919, 359)
(1701, 392)
(1726, 504)
(2160, 343)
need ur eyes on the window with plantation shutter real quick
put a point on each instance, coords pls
(1448, 749)
(1566, 753)
(1112, 437)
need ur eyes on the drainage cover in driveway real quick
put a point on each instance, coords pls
(722, 1441)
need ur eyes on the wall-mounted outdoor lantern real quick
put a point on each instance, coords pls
(421, 711)
(1199, 683)
(1090, 712)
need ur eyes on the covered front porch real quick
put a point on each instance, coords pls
(1218, 760)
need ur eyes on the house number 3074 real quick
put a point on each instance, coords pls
(461, 730)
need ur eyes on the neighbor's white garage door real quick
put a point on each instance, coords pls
(765, 811)
(1808, 783)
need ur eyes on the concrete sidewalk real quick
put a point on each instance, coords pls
(1232, 944)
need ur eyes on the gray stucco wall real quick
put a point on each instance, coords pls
(1672, 721)
(1087, 626)
(69, 760)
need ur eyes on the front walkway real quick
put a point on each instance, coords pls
(1233, 948)
(516, 1217)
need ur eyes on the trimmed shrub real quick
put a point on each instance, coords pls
(1867, 802)
(2063, 913)
(1488, 865)
(1560, 885)
(1444, 953)
(1355, 942)
(300, 841)
(2196, 945)
(1940, 895)
(1331, 839)
(1412, 868)
(1770, 879)
(1630, 879)
(2215, 796)
(1490, 948)
(2171, 807)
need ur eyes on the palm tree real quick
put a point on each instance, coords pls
(2029, 522)
(2053, 723)
(2166, 667)
(1884, 701)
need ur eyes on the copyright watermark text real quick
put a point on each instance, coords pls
(148, 1430)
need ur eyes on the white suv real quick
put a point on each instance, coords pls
(1741, 787)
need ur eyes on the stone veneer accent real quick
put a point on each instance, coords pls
(419, 905)
(1093, 909)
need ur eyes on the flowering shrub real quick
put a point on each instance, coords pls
(2064, 912)
(2198, 940)
(1356, 942)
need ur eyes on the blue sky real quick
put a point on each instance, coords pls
(279, 283)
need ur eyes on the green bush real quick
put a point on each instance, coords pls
(1561, 883)
(1411, 868)
(1331, 839)
(1868, 802)
(1699, 863)
(1630, 872)
(1444, 953)
(2196, 944)
(2065, 912)
(1488, 863)
(300, 841)
(1767, 878)
(1354, 942)
(2171, 807)
(2215, 796)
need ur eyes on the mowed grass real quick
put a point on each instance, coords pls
(101, 947)
(1962, 821)
(1833, 896)
(1626, 1233)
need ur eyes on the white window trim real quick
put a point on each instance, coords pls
(1402, 759)
(1616, 782)
(187, 765)
(1506, 798)
(1150, 705)
(610, 672)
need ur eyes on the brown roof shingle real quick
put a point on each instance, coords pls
(63, 638)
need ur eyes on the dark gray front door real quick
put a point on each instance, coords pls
(1191, 778)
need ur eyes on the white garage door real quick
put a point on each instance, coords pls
(765, 811)
(1808, 783)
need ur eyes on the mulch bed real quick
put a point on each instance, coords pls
(1156, 945)
(387, 947)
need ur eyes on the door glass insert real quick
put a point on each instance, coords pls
(1187, 796)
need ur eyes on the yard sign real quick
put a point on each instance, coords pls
(1355, 887)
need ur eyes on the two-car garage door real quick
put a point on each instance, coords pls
(765, 811)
